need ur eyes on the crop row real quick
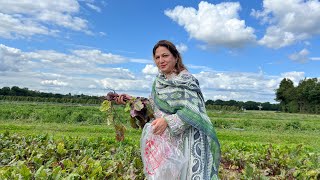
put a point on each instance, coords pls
(43, 157)
(46, 157)
(50, 113)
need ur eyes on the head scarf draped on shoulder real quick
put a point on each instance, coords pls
(182, 96)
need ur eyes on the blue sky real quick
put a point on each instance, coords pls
(238, 50)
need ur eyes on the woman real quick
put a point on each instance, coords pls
(180, 114)
(179, 107)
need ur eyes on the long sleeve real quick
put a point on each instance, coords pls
(175, 124)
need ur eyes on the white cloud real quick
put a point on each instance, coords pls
(52, 71)
(150, 69)
(242, 86)
(92, 6)
(216, 25)
(315, 58)
(77, 63)
(301, 56)
(126, 84)
(92, 86)
(54, 83)
(99, 57)
(11, 59)
(221, 97)
(39, 17)
(276, 38)
(47, 68)
(142, 61)
(203, 68)
(12, 27)
(80, 71)
(182, 48)
(64, 20)
(290, 21)
(102, 34)
(228, 81)
(294, 76)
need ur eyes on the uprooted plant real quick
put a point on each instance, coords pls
(140, 111)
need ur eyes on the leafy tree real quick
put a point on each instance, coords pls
(251, 105)
(219, 102)
(304, 98)
(209, 102)
(5, 91)
(285, 93)
(305, 94)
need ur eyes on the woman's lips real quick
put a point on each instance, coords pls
(163, 66)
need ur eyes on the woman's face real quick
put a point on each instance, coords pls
(164, 60)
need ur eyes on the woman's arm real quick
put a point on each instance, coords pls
(175, 124)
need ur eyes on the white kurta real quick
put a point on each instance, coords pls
(194, 144)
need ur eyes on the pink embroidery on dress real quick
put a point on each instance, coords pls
(155, 154)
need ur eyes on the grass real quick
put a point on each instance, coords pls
(59, 130)
(250, 126)
(243, 137)
(225, 136)
(270, 137)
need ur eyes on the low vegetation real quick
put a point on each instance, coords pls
(56, 141)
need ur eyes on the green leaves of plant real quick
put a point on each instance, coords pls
(120, 130)
(25, 171)
(71, 158)
(138, 105)
(105, 106)
(60, 149)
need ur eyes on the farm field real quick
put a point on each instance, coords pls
(52, 141)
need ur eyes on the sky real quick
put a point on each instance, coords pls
(238, 50)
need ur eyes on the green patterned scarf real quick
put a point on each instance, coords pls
(181, 95)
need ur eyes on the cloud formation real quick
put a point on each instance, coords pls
(20, 19)
(301, 56)
(94, 7)
(216, 25)
(182, 48)
(242, 86)
(289, 21)
(150, 69)
(48, 69)
(91, 71)
(79, 72)
(54, 82)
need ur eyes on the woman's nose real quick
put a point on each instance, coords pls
(161, 60)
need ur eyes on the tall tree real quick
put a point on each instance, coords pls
(285, 94)
(306, 94)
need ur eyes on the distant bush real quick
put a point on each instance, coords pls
(222, 108)
(293, 125)
(51, 113)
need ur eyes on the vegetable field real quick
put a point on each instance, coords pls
(52, 141)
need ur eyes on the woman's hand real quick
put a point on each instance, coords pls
(159, 125)
(122, 98)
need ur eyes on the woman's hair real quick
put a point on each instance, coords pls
(172, 48)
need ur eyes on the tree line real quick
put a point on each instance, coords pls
(303, 98)
(24, 94)
(240, 105)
